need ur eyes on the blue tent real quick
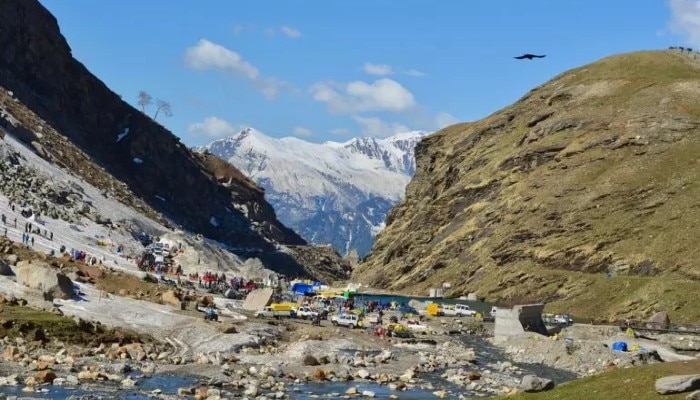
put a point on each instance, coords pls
(302, 288)
(619, 346)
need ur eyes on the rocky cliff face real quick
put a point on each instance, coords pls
(583, 194)
(36, 64)
(72, 119)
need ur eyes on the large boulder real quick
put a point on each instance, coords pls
(660, 319)
(51, 282)
(681, 342)
(532, 384)
(171, 297)
(45, 376)
(12, 259)
(5, 269)
(91, 271)
(310, 360)
(677, 384)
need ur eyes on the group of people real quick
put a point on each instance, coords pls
(82, 256)
(26, 238)
(213, 280)
(29, 228)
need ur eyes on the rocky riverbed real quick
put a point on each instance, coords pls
(115, 346)
(309, 362)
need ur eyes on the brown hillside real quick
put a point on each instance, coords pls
(37, 66)
(72, 119)
(583, 194)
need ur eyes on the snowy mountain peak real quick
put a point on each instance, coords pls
(326, 191)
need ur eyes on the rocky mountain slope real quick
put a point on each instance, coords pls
(330, 193)
(583, 194)
(51, 102)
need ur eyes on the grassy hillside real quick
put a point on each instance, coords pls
(583, 194)
(619, 384)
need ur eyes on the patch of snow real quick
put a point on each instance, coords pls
(377, 228)
(122, 135)
(199, 254)
(138, 160)
(213, 222)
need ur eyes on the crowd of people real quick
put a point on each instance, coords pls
(30, 229)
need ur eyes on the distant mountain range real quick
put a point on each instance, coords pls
(331, 193)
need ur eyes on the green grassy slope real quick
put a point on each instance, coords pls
(591, 174)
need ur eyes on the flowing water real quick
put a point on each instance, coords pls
(168, 384)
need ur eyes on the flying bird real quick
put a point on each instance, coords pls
(529, 56)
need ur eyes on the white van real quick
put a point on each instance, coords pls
(464, 310)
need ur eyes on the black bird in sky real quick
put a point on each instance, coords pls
(529, 56)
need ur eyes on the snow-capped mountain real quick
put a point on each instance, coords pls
(332, 193)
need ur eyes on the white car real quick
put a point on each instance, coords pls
(448, 310)
(563, 320)
(348, 320)
(306, 312)
(463, 310)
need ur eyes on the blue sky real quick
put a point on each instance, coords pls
(331, 70)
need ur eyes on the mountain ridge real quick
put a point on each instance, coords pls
(334, 192)
(72, 119)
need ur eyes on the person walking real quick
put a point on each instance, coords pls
(32, 241)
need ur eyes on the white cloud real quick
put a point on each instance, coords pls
(414, 72)
(377, 69)
(212, 127)
(206, 56)
(290, 32)
(358, 96)
(301, 131)
(373, 126)
(443, 119)
(685, 19)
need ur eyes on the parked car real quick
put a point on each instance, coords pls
(348, 320)
(306, 313)
(269, 312)
(464, 310)
(449, 310)
(563, 319)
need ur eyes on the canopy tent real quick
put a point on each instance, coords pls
(302, 288)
